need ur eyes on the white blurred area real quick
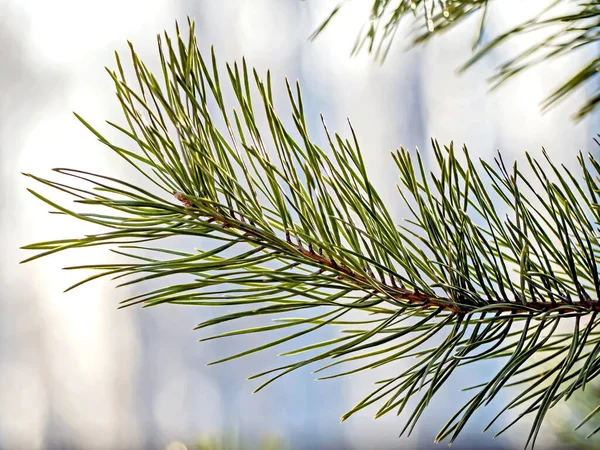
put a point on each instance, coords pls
(77, 373)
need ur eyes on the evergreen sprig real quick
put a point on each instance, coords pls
(568, 26)
(492, 264)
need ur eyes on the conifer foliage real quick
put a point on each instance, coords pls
(491, 264)
(565, 26)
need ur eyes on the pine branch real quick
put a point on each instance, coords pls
(568, 31)
(288, 227)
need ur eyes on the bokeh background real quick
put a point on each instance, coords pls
(75, 372)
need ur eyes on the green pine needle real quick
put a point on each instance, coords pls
(569, 29)
(487, 266)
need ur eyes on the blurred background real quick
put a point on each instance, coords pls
(75, 372)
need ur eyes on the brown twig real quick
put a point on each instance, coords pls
(393, 291)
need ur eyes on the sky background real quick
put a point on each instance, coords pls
(77, 373)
